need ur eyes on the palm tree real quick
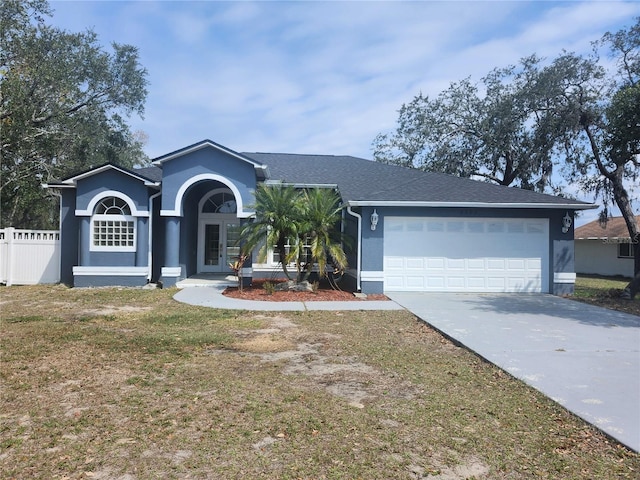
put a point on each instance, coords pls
(320, 240)
(304, 220)
(278, 217)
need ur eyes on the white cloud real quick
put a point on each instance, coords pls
(320, 77)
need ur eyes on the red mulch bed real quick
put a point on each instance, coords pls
(324, 293)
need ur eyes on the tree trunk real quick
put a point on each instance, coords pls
(631, 290)
(282, 252)
(622, 200)
(621, 197)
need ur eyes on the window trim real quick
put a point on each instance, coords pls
(123, 218)
(631, 247)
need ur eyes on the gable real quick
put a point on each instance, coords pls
(261, 170)
(107, 183)
(205, 163)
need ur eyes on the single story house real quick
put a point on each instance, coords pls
(605, 249)
(411, 230)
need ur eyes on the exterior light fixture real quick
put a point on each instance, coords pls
(566, 222)
(374, 219)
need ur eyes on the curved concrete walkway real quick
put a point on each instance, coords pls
(585, 358)
(211, 296)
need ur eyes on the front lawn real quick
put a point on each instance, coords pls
(129, 384)
(605, 292)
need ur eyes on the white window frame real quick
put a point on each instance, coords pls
(631, 250)
(128, 220)
(272, 253)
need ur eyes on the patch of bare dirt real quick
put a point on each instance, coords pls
(312, 357)
(107, 310)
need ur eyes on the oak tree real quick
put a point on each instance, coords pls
(64, 101)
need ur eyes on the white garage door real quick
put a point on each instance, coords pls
(466, 254)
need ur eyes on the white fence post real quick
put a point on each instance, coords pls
(28, 257)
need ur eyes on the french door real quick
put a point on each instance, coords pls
(217, 244)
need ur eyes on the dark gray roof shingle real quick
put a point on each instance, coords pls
(361, 180)
(150, 173)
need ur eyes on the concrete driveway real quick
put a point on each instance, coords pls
(584, 357)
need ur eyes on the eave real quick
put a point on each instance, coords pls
(547, 206)
(72, 181)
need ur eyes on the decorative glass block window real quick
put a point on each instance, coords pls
(112, 226)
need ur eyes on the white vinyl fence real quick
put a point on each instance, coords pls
(28, 257)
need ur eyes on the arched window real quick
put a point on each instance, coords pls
(220, 202)
(112, 226)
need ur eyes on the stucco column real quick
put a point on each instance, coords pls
(172, 242)
(85, 242)
(142, 241)
(171, 270)
(246, 274)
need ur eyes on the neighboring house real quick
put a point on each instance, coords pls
(411, 230)
(605, 250)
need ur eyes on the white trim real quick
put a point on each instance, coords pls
(113, 248)
(111, 193)
(111, 271)
(210, 194)
(271, 183)
(177, 209)
(171, 271)
(359, 246)
(199, 146)
(56, 185)
(73, 180)
(564, 277)
(570, 206)
(372, 275)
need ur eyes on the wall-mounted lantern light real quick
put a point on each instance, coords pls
(566, 222)
(374, 219)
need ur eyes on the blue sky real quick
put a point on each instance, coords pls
(320, 77)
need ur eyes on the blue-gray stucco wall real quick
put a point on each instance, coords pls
(112, 179)
(207, 160)
(68, 235)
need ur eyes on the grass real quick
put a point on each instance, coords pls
(605, 292)
(123, 383)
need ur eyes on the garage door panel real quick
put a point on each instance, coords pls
(516, 264)
(455, 282)
(455, 263)
(415, 264)
(393, 263)
(496, 283)
(435, 263)
(496, 264)
(416, 282)
(394, 282)
(475, 264)
(459, 254)
(534, 264)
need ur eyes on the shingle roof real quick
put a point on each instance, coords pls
(150, 173)
(615, 228)
(361, 181)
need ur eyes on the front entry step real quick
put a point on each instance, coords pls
(208, 280)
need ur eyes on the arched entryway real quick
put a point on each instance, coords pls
(218, 231)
